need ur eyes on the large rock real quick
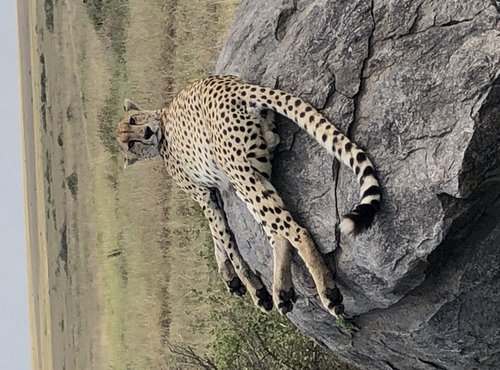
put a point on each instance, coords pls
(417, 84)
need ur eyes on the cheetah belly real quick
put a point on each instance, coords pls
(204, 170)
(213, 176)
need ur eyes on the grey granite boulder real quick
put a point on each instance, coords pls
(417, 84)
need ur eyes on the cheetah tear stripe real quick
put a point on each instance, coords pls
(335, 142)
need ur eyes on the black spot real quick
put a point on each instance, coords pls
(372, 190)
(361, 157)
(348, 147)
(308, 108)
(368, 171)
(297, 102)
(324, 137)
(267, 193)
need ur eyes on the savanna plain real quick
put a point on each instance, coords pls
(121, 269)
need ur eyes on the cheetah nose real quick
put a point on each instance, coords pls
(148, 133)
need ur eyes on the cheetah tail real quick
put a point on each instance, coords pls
(336, 143)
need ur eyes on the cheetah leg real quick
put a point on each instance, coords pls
(283, 291)
(224, 263)
(262, 203)
(222, 236)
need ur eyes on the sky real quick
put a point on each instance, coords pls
(14, 334)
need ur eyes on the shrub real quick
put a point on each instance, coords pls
(72, 182)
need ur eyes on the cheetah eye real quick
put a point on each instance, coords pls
(131, 144)
(132, 121)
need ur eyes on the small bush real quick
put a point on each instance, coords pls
(49, 15)
(72, 182)
(43, 91)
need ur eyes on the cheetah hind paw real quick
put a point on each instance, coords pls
(286, 300)
(264, 300)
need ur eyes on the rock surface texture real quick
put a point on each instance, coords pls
(417, 84)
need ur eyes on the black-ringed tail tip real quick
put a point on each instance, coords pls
(361, 217)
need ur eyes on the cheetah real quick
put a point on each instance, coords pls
(219, 132)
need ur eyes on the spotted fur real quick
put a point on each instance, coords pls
(220, 132)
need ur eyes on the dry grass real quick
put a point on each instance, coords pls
(144, 304)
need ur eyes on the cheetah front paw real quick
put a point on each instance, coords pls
(285, 300)
(235, 286)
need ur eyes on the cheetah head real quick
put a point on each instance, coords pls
(138, 134)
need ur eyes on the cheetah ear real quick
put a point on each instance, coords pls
(130, 105)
